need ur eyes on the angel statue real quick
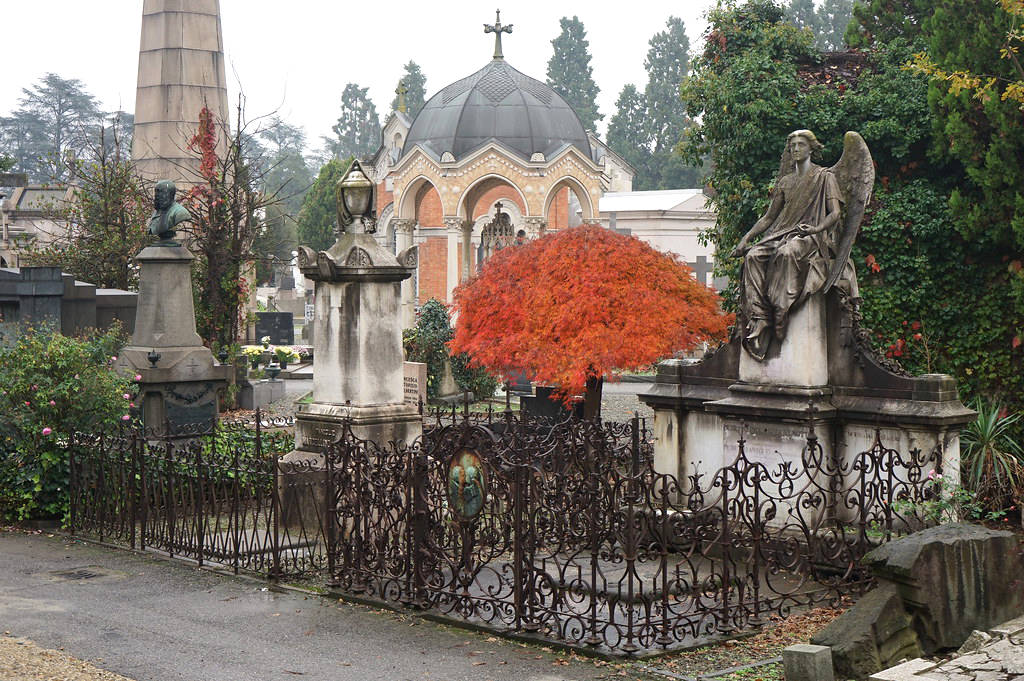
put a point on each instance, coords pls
(808, 231)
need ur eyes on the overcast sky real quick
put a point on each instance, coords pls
(296, 56)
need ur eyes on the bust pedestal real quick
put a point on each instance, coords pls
(181, 389)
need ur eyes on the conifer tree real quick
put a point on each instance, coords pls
(801, 13)
(667, 66)
(833, 18)
(357, 132)
(627, 130)
(570, 73)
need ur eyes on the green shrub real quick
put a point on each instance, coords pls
(51, 386)
(428, 343)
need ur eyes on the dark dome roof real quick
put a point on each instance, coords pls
(497, 103)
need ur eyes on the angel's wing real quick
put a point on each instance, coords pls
(855, 174)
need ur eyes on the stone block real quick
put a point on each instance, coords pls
(802, 357)
(254, 394)
(874, 634)
(803, 662)
(953, 579)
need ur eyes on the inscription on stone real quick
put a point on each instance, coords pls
(415, 383)
(317, 436)
(278, 325)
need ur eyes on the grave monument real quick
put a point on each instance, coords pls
(798, 349)
(359, 373)
(180, 379)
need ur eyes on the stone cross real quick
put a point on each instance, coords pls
(401, 91)
(702, 268)
(497, 29)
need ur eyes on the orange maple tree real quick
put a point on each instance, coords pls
(572, 306)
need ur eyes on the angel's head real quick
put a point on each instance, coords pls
(802, 144)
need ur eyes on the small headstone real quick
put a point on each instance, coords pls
(805, 662)
(415, 383)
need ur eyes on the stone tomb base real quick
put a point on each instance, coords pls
(703, 408)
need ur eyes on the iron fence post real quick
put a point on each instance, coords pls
(330, 513)
(518, 575)
(419, 538)
(172, 503)
(101, 486)
(139, 445)
(236, 538)
(275, 514)
(201, 479)
(73, 485)
(132, 485)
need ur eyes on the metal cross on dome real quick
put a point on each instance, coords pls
(497, 29)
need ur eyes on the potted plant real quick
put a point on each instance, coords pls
(285, 354)
(253, 353)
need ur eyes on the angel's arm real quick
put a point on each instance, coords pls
(831, 217)
(762, 224)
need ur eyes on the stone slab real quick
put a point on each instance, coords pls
(907, 671)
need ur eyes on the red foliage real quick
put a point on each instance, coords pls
(580, 302)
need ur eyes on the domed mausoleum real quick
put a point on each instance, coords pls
(490, 157)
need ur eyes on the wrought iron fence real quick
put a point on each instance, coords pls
(564, 530)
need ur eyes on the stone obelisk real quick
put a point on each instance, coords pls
(181, 70)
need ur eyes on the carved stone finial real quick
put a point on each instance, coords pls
(497, 29)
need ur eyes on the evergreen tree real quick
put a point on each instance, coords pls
(801, 13)
(55, 120)
(627, 130)
(416, 90)
(570, 73)
(357, 132)
(833, 18)
(884, 20)
(318, 218)
(287, 178)
(667, 65)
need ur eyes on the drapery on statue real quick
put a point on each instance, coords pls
(808, 237)
(167, 213)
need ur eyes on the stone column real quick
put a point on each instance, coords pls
(536, 226)
(454, 226)
(181, 70)
(467, 249)
(404, 230)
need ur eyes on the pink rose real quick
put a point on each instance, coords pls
(131, 404)
(138, 377)
(127, 396)
(47, 431)
(27, 403)
(52, 403)
(114, 358)
(125, 417)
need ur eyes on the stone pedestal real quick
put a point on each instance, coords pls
(359, 374)
(181, 389)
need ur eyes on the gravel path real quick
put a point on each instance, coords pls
(23, 660)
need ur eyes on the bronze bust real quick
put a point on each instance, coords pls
(808, 230)
(168, 213)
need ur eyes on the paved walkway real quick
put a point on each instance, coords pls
(153, 619)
